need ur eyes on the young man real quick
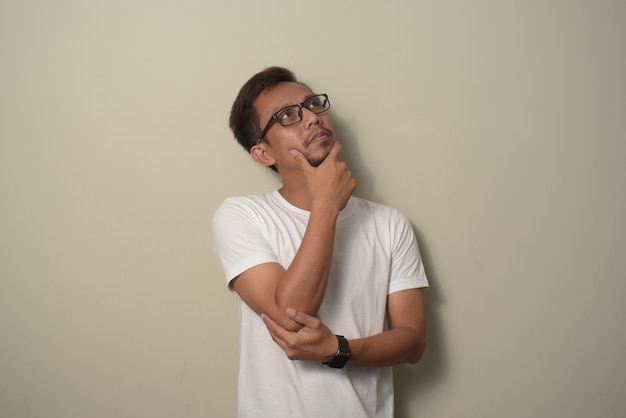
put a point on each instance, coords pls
(329, 285)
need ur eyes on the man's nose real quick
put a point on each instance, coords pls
(309, 117)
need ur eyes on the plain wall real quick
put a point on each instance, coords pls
(497, 127)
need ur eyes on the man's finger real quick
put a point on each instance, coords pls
(297, 155)
(335, 150)
(276, 330)
(302, 318)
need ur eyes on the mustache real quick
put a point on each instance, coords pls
(326, 131)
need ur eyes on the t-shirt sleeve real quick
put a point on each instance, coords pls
(407, 270)
(238, 239)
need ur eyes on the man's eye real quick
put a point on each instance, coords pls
(315, 103)
(285, 114)
(288, 114)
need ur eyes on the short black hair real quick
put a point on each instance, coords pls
(244, 119)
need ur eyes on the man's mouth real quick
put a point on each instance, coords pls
(318, 136)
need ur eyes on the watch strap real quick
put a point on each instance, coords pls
(342, 355)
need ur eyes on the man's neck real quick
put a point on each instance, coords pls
(296, 196)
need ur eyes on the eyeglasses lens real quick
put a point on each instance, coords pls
(291, 115)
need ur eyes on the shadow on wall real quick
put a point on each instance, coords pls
(411, 382)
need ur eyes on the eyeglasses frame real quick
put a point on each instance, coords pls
(300, 106)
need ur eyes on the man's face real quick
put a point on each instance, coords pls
(313, 136)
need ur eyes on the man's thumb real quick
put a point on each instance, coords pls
(297, 155)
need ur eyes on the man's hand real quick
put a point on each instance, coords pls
(314, 341)
(331, 183)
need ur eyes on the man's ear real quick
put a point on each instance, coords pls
(262, 156)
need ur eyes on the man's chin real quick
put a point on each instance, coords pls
(316, 161)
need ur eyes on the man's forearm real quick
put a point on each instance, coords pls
(316, 342)
(303, 285)
(397, 346)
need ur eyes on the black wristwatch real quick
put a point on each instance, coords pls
(342, 355)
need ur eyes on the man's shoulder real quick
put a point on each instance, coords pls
(378, 212)
(242, 207)
(373, 206)
(248, 200)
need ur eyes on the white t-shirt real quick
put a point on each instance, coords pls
(375, 254)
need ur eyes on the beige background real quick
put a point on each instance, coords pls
(497, 127)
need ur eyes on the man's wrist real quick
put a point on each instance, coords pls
(341, 357)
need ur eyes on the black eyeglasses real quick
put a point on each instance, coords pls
(292, 114)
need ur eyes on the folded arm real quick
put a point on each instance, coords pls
(270, 289)
(404, 342)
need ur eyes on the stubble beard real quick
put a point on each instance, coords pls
(316, 161)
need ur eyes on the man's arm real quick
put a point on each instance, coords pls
(270, 289)
(404, 342)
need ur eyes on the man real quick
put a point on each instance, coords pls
(309, 261)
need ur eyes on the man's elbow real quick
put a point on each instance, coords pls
(415, 357)
(417, 352)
